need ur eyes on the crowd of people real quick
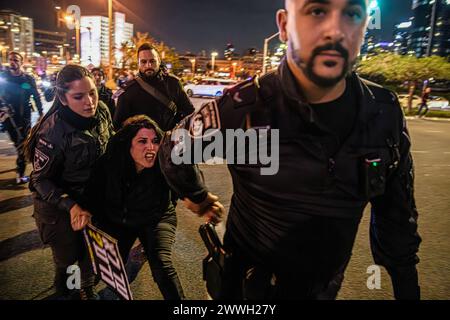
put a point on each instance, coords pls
(343, 144)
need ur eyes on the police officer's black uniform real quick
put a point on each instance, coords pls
(135, 100)
(293, 232)
(16, 91)
(67, 145)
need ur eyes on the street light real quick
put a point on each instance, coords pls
(234, 70)
(193, 66)
(213, 60)
(70, 19)
(3, 50)
(111, 53)
(266, 50)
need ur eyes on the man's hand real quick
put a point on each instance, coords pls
(79, 218)
(210, 208)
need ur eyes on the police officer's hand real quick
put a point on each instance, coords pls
(210, 208)
(79, 218)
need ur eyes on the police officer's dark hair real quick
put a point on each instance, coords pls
(17, 54)
(118, 150)
(146, 46)
(69, 73)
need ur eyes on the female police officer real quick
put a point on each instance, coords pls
(64, 146)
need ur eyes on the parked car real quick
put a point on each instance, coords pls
(209, 87)
(438, 103)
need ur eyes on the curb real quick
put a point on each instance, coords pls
(432, 119)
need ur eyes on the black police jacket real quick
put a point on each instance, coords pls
(17, 91)
(67, 147)
(373, 165)
(135, 100)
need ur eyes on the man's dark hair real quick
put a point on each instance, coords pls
(16, 53)
(98, 70)
(146, 46)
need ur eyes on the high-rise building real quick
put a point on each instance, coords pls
(369, 44)
(229, 52)
(251, 63)
(402, 37)
(430, 32)
(95, 38)
(123, 33)
(49, 42)
(16, 33)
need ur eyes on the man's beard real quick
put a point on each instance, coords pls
(308, 66)
(149, 76)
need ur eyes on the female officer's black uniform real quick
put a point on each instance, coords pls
(67, 145)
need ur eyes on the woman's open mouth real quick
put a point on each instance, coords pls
(150, 156)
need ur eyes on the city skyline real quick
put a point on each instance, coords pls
(202, 24)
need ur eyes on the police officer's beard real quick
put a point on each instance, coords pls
(307, 67)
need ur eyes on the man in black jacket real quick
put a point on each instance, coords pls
(136, 100)
(16, 90)
(342, 143)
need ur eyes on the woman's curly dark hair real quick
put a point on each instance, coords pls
(118, 150)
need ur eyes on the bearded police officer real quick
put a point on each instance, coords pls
(343, 143)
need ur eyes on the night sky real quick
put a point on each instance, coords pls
(194, 25)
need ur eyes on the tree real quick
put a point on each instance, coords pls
(168, 55)
(399, 69)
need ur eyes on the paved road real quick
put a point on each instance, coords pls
(26, 267)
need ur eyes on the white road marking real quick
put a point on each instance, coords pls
(433, 131)
(417, 151)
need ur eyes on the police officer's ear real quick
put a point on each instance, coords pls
(282, 24)
(63, 100)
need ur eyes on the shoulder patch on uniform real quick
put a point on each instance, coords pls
(206, 118)
(243, 93)
(40, 160)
